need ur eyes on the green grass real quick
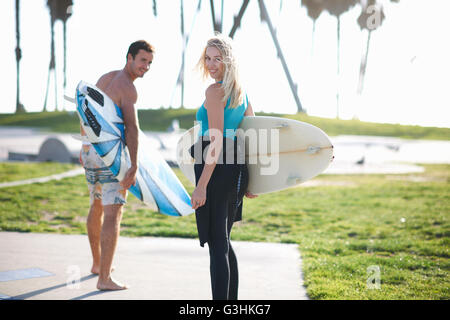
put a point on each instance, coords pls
(12, 171)
(335, 127)
(398, 223)
(161, 119)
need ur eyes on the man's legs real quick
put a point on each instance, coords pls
(94, 229)
(109, 236)
(107, 198)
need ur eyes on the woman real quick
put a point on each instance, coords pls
(220, 183)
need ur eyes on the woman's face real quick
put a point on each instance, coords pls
(214, 64)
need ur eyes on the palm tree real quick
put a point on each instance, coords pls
(63, 13)
(185, 38)
(371, 18)
(183, 56)
(155, 9)
(314, 9)
(217, 20)
(59, 10)
(337, 8)
(19, 106)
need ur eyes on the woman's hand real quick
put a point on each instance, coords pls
(198, 197)
(250, 195)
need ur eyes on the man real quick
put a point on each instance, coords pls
(107, 195)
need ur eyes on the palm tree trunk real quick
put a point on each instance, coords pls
(213, 16)
(183, 53)
(312, 40)
(362, 68)
(46, 92)
(221, 16)
(65, 60)
(19, 106)
(265, 17)
(180, 78)
(155, 10)
(51, 65)
(338, 78)
(56, 89)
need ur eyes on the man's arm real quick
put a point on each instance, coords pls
(130, 120)
(103, 81)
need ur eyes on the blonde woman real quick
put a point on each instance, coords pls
(221, 180)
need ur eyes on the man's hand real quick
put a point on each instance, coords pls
(130, 178)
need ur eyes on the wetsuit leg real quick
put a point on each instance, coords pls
(234, 275)
(218, 245)
(232, 260)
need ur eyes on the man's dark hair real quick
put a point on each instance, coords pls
(138, 45)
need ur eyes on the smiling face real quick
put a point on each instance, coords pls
(140, 64)
(220, 62)
(214, 63)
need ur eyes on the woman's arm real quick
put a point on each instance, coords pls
(249, 111)
(215, 108)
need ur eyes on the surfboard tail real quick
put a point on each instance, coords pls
(166, 200)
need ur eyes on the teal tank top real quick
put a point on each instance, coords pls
(232, 119)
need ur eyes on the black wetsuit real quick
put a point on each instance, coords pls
(224, 195)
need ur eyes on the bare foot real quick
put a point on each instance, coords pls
(96, 270)
(110, 285)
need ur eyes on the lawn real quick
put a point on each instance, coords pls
(350, 229)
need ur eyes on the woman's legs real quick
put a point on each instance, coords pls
(223, 262)
(218, 253)
(234, 275)
(224, 273)
(223, 209)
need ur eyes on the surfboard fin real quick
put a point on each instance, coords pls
(80, 137)
(67, 98)
(281, 126)
(293, 180)
(313, 149)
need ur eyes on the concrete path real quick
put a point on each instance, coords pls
(48, 266)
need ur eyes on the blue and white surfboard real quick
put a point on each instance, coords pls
(156, 183)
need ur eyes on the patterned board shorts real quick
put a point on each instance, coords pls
(101, 182)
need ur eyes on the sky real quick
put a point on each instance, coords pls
(406, 79)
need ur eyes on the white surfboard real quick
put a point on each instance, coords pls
(156, 183)
(280, 153)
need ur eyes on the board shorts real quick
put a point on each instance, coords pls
(101, 182)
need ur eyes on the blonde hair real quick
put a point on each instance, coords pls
(231, 83)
